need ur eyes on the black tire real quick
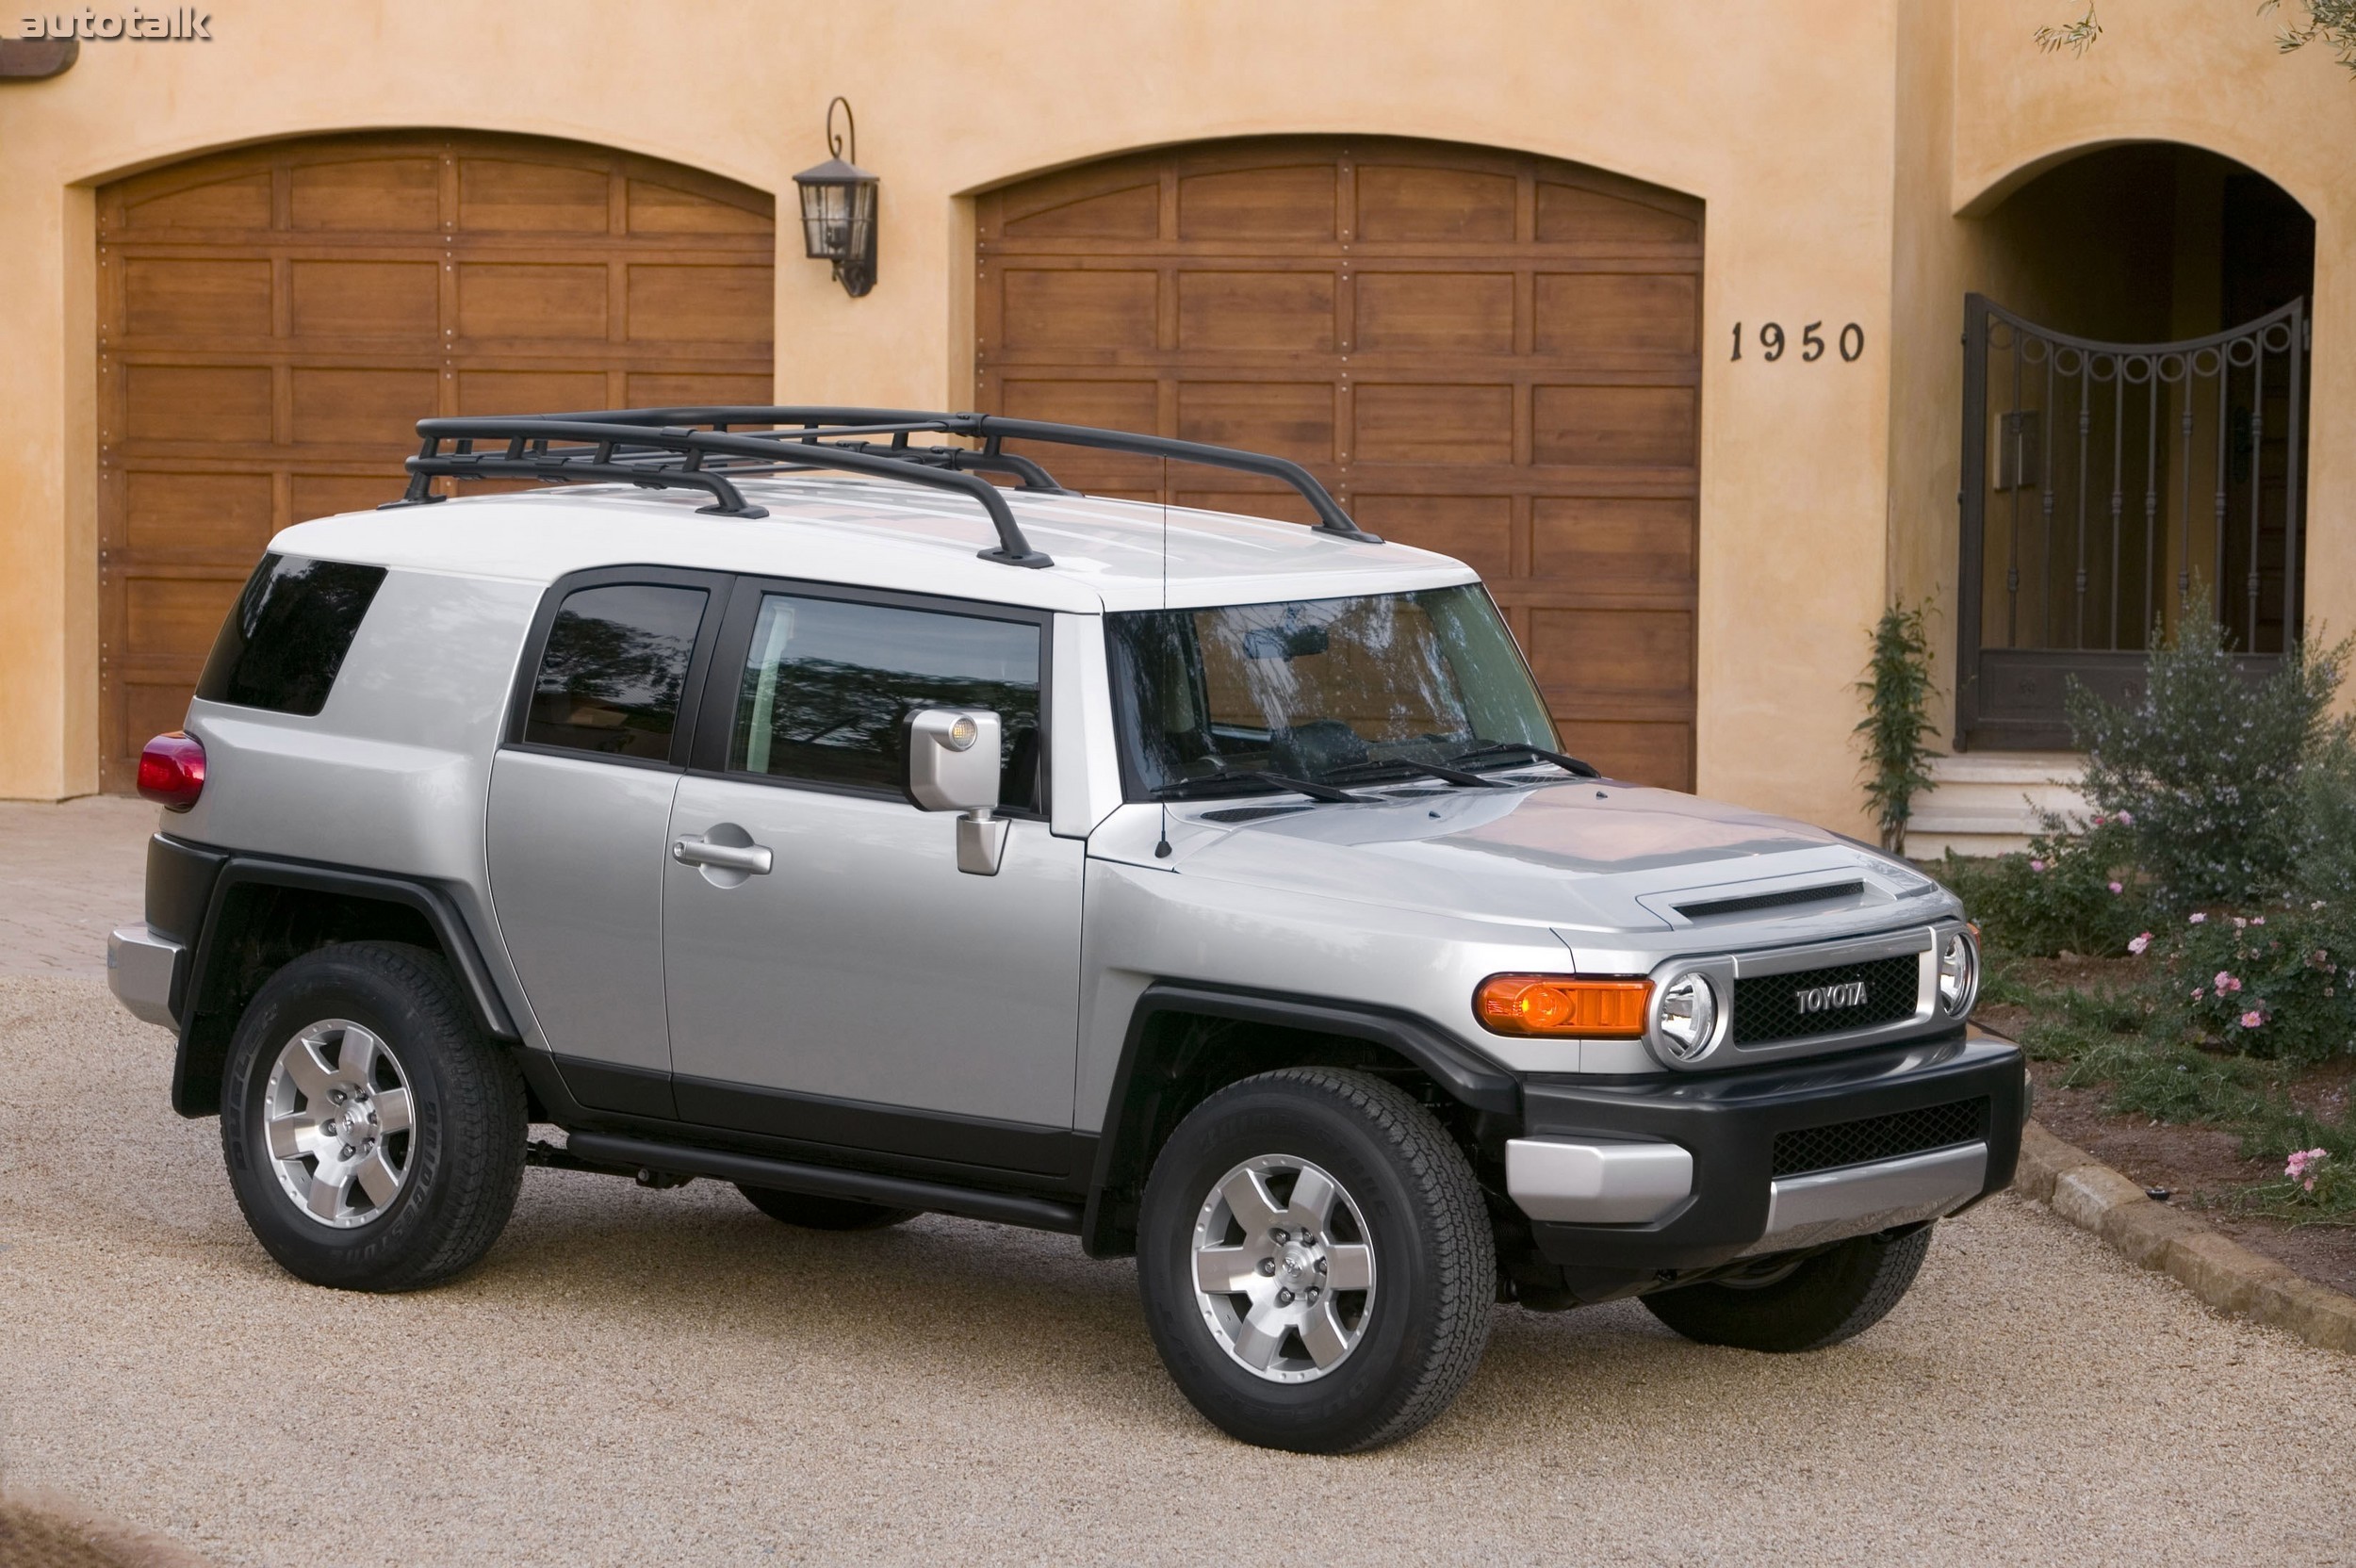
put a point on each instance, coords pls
(462, 1158)
(1421, 1328)
(813, 1213)
(1834, 1295)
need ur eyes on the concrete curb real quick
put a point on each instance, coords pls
(2223, 1273)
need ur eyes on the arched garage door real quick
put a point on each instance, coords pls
(1490, 354)
(273, 322)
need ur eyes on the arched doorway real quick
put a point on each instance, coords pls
(272, 322)
(1482, 353)
(2134, 428)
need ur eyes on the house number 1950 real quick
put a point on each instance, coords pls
(1772, 342)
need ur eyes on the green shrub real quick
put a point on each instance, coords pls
(2207, 765)
(2275, 984)
(2071, 893)
(2326, 866)
(1898, 691)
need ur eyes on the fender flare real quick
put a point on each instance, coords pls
(192, 1094)
(1461, 1074)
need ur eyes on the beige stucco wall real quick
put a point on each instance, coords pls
(1983, 113)
(1782, 117)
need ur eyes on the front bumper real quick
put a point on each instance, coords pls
(1600, 1174)
(144, 972)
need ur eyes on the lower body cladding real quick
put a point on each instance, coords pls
(1625, 1182)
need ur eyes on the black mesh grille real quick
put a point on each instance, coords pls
(1879, 1137)
(1767, 1007)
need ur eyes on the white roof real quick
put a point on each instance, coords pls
(1108, 554)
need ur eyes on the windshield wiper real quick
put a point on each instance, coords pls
(1429, 770)
(1571, 765)
(1218, 782)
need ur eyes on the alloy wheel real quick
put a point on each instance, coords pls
(337, 1116)
(1284, 1268)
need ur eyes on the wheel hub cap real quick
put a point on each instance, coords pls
(1284, 1271)
(335, 1114)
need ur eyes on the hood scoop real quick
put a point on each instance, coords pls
(1786, 898)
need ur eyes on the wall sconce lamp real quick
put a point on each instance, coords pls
(838, 209)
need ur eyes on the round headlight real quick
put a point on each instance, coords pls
(1686, 1019)
(1958, 972)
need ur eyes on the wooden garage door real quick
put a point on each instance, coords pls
(274, 322)
(1492, 356)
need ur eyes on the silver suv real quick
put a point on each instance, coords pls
(1211, 888)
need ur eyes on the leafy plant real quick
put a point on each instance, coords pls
(2077, 37)
(2275, 984)
(2071, 893)
(2334, 22)
(1898, 693)
(2207, 764)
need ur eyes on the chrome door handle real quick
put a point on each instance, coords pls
(755, 858)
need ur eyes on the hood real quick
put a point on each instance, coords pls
(1586, 856)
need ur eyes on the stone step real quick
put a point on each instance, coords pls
(1988, 802)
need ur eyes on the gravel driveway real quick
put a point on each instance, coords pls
(635, 1377)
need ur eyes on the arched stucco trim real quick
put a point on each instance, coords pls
(600, 138)
(1994, 193)
(1675, 185)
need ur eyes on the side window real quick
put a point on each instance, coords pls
(616, 664)
(287, 634)
(827, 683)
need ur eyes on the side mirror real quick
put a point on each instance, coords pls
(952, 766)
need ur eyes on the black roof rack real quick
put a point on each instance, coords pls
(708, 449)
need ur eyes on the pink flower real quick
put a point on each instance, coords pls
(2197, 917)
(2300, 1166)
(2239, 924)
(2196, 993)
(2098, 821)
(2251, 1019)
(2225, 981)
(2117, 889)
(2140, 943)
(2036, 865)
(2126, 819)
(2259, 919)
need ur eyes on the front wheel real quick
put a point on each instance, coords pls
(1836, 1295)
(1316, 1261)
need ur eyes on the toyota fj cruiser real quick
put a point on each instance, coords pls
(1209, 886)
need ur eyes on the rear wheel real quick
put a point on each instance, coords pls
(1834, 1295)
(812, 1213)
(375, 1136)
(1317, 1262)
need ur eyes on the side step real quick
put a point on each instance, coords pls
(824, 1181)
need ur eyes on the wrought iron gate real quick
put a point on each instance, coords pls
(2102, 482)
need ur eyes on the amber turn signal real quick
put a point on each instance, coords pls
(1559, 1005)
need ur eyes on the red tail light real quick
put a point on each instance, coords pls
(171, 769)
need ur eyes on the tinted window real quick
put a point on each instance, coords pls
(616, 664)
(827, 683)
(287, 636)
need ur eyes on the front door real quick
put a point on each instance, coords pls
(862, 990)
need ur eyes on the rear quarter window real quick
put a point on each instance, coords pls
(286, 636)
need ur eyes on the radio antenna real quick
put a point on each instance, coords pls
(1161, 849)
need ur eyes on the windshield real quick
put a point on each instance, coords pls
(1313, 689)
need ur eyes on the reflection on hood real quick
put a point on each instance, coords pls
(1577, 854)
